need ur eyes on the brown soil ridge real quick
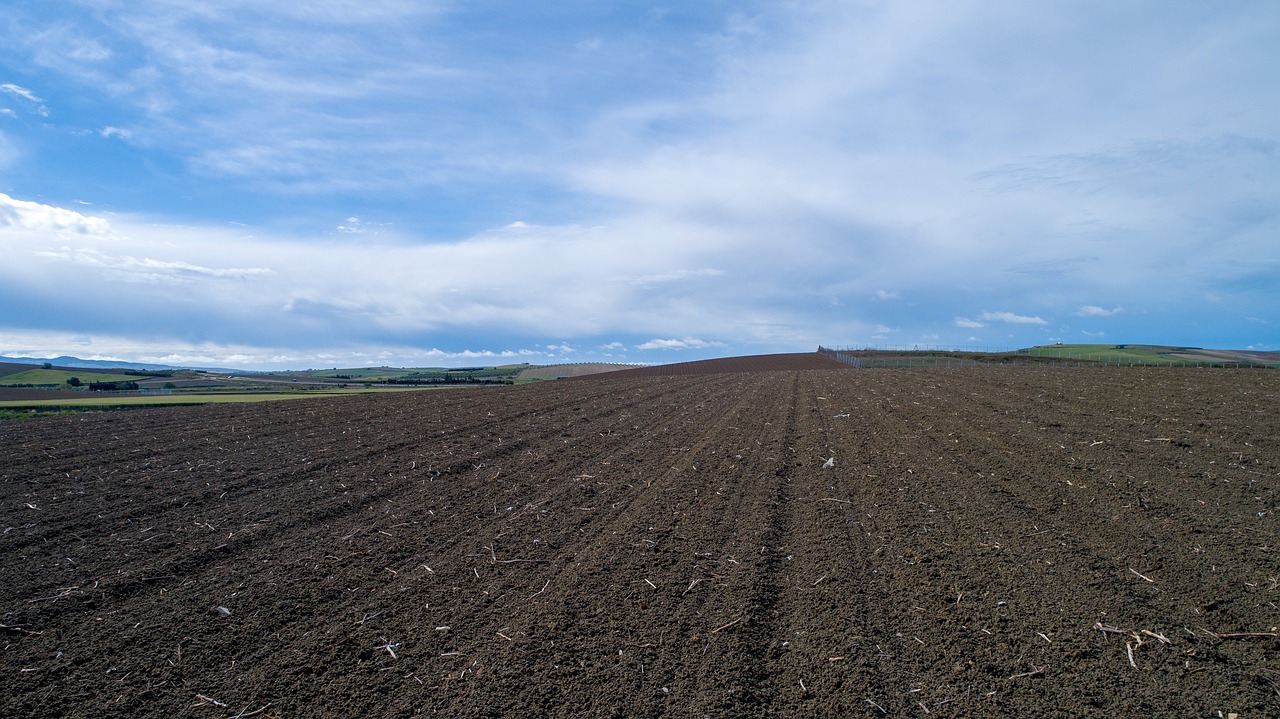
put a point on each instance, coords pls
(754, 363)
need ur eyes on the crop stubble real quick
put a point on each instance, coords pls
(986, 542)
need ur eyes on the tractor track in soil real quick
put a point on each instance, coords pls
(644, 546)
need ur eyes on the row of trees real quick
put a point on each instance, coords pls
(103, 386)
(449, 379)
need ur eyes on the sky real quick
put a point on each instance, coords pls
(344, 183)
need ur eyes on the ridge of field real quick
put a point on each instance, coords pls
(14, 373)
(572, 369)
(129, 400)
(11, 368)
(991, 541)
(925, 358)
(1121, 355)
(57, 377)
(387, 374)
(193, 386)
(795, 361)
(1139, 354)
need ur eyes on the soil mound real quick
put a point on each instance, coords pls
(755, 363)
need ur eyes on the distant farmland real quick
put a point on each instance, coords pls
(1109, 355)
(577, 369)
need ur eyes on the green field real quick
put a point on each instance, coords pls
(60, 376)
(399, 374)
(1137, 354)
(1148, 355)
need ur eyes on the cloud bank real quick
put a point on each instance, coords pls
(315, 178)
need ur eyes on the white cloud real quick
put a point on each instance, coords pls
(613, 346)
(1011, 318)
(38, 220)
(109, 132)
(317, 94)
(25, 94)
(1096, 311)
(178, 352)
(146, 269)
(21, 92)
(673, 276)
(357, 226)
(555, 281)
(674, 344)
(885, 329)
(801, 153)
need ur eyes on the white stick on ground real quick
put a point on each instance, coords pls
(390, 649)
(1143, 577)
(726, 626)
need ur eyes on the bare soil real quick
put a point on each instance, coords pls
(29, 393)
(968, 542)
(754, 363)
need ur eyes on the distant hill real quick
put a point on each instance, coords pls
(67, 361)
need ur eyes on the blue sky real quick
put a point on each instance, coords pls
(345, 183)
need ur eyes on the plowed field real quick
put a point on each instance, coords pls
(966, 542)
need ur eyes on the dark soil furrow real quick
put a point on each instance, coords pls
(657, 546)
(657, 555)
(253, 496)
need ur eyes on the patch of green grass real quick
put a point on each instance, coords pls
(1102, 353)
(60, 377)
(1124, 354)
(388, 374)
(358, 374)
